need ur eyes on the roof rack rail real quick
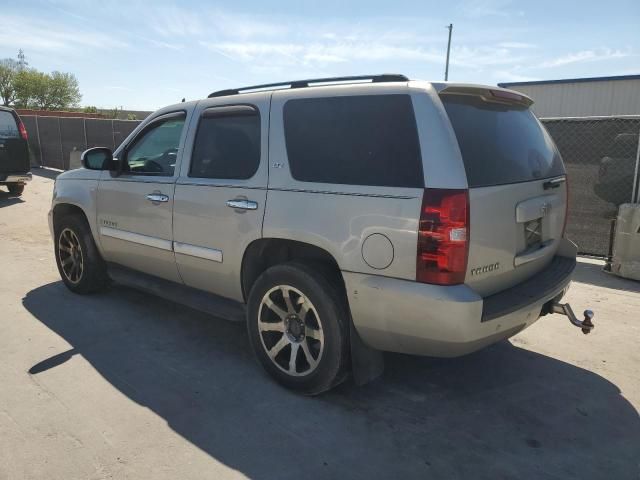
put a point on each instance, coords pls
(385, 77)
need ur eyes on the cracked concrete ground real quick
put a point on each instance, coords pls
(123, 385)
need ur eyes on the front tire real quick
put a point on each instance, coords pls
(16, 188)
(298, 328)
(81, 267)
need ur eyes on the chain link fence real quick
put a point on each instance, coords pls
(52, 139)
(600, 154)
(601, 157)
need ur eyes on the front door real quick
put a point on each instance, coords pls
(221, 192)
(135, 207)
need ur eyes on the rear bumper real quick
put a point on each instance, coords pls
(15, 177)
(409, 317)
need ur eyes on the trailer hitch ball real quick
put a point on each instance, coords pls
(585, 325)
(588, 316)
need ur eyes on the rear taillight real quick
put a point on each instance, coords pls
(443, 237)
(23, 131)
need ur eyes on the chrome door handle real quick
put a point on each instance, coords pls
(242, 204)
(158, 197)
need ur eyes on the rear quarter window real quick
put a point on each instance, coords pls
(8, 125)
(501, 143)
(354, 140)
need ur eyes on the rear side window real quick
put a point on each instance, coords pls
(227, 145)
(8, 126)
(357, 140)
(501, 143)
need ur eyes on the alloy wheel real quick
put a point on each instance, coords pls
(290, 330)
(70, 255)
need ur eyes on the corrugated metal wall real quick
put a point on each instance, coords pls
(584, 99)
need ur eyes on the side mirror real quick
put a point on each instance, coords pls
(98, 158)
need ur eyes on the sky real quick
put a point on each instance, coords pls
(145, 55)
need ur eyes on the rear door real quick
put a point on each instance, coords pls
(14, 153)
(221, 193)
(517, 187)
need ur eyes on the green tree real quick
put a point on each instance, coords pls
(29, 88)
(62, 91)
(45, 91)
(8, 71)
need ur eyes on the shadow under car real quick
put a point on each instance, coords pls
(504, 412)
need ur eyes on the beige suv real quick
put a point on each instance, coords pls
(338, 217)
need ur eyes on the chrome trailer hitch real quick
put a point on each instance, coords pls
(585, 325)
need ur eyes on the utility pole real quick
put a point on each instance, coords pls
(446, 68)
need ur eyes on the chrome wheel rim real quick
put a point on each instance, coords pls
(290, 330)
(70, 255)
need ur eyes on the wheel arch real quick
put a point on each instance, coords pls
(367, 363)
(64, 209)
(266, 252)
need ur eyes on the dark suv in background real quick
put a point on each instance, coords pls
(14, 152)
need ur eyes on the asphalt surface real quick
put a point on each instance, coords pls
(122, 385)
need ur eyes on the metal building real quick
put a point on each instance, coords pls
(583, 97)
(595, 122)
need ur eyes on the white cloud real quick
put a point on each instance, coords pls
(516, 45)
(161, 44)
(510, 76)
(585, 56)
(488, 8)
(175, 21)
(244, 26)
(319, 54)
(29, 34)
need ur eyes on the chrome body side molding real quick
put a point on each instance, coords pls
(212, 254)
(136, 238)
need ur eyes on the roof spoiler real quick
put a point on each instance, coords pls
(489, 94)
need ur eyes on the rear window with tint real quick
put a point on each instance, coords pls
(356, 140)
(501, 143)
(8, 126)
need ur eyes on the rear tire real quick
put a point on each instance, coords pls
(81, 267)
(298, 328)
(16, 189)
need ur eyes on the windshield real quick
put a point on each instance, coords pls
(501, 143)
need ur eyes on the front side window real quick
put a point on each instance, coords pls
(155, 151)
(227, 145)
(354, 140)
